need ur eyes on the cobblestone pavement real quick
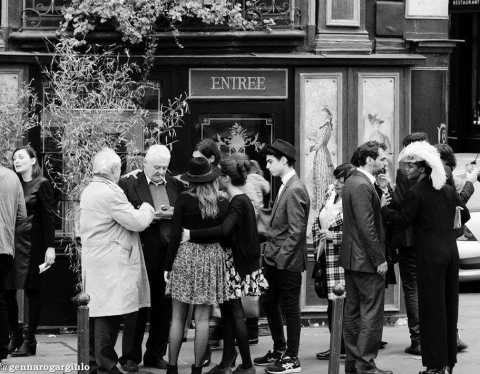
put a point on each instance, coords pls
(56, 350)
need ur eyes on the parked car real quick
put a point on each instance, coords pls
(468, 244)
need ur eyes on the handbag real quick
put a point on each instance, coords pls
(263, 221)
(251, 306)
(319, 275)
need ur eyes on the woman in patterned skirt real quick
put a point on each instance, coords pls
(238, 235)
(327, 239)
(196, 270)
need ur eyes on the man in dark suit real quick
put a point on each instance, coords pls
(363, 258)
(157, 187)
(285, 260)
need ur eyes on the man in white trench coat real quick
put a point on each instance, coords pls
(113, 267)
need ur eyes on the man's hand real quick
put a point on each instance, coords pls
(382, 268)
(50, 256)
(133, 174)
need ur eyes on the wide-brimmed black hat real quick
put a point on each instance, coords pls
(283, 147)
(200, 171)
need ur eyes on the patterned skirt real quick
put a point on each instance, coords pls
(198, 274)
(253, 284)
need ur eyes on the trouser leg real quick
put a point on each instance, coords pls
(408, 272)
(289, 290)
(451, 295)
(106, 333)
(433, 313)
(6, 262)
(160, 318)
(371, 289)
(129, 332)
(351, 321)
(271, 306)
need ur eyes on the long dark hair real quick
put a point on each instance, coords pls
(36, 170)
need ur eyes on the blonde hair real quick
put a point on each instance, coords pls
(208, 196)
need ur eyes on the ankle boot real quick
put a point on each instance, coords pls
(28, 347)
(172, 369)
(196, 369)
(16, 340)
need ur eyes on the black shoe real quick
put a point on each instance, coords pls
(414, 349)
(28, 347)
(269, 359)
(220, 369)
(241, 370)
(285, 365)
(197, 369)
(130, 366)
(154, 362)
(16, 340)
(172, 369)
(325, 355)
(461, 346)
(374, 370)
(433, 371)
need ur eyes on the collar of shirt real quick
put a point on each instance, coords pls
(287, 176)
(370, 177)
(163, 181)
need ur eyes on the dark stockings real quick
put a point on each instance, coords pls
(179, 315)
(235, 326)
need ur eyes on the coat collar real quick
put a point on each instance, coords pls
(280, 198)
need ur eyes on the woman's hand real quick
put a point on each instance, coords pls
(50, 256)
(185, 236)
(385, 200)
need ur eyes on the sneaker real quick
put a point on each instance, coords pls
(285, 365)
(269, 359)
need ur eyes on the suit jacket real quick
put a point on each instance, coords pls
(363, 246)
(285, 248)
(156, 237)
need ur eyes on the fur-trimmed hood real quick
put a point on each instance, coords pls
(424, 151)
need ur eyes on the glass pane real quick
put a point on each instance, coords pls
(343, 9)
(43, 13)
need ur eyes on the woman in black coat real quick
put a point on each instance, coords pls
(40, 205)
(430, 207)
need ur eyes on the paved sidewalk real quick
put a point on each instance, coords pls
(61, 349)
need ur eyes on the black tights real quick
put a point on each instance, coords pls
(235, 326)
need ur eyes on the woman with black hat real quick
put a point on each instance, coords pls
(238, 236)
(430, 208)
(196, 271)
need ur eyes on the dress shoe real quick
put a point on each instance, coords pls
(461, 346)
(433, 371)
(16, 340)
(130, 366)
(374, 371)
(197, 369)
(219, 369)
(154, 362)
(172, 369)
(414, 349)
(325, 355)
(28, 347)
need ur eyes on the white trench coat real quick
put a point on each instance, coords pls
(113, 267)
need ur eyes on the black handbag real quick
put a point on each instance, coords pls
(319, 275)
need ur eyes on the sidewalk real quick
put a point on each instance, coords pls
(61, 349)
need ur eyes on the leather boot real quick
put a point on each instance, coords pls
(28, 347)
(16, 340)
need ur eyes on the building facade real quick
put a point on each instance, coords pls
(330, 75)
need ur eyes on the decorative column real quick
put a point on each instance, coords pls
(341, 27)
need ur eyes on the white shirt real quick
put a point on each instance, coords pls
(370, 177)
(285, 178)
(156, 184)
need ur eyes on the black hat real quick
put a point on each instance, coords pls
(200, 171)
(283, 147)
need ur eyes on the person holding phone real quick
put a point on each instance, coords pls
(156, 186)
